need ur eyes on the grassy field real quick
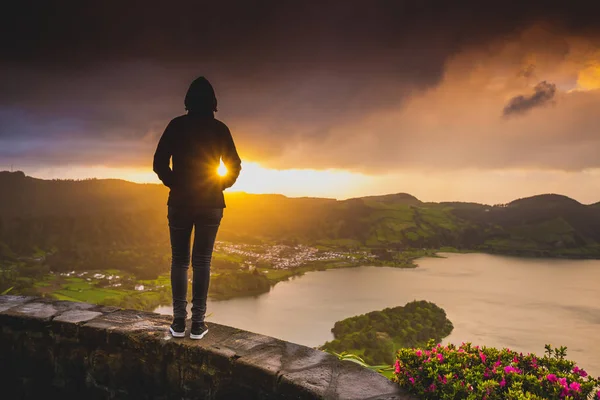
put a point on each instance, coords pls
(235, 258)
(92, 294)
(78, 289)
(88, 289)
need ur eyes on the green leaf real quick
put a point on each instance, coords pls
(6, 291)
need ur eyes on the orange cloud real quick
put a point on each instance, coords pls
(589, 78)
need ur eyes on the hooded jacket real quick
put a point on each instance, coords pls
(195, 143)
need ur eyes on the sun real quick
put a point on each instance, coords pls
(222, 170)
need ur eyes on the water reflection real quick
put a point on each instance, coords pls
(491, 300)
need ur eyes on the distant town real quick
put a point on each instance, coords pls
(285, 257)
(241, 256)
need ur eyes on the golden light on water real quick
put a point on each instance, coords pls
(222, 170)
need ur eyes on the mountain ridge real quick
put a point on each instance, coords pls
(384, 198)
(543, 225)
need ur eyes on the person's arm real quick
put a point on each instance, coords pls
(231, 159)
(162, 156)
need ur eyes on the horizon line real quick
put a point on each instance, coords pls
(303, 197)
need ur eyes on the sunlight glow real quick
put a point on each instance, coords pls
(255, 178)
(222, 170)
(483, 186)
(589, 78)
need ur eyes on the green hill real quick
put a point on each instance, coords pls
(377, 335)
(83, 218)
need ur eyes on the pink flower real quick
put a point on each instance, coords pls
(598, 394)
(419, 353)
(563, 382)
(397, 366)
(509, 368)
(575, 386)
(412, 380)
(483, 357)
(552, 378)
(502, 382)
(534, 362)
(440, 357)
(497, 364)
(432, 387)
(443, 379)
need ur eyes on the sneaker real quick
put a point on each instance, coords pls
(199, 329)
(178, 327)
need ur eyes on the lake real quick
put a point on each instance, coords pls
(492, 300)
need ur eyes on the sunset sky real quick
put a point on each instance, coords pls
(446, 100)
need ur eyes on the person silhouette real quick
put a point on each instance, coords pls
(195, 144)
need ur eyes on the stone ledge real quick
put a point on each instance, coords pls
(67, 348)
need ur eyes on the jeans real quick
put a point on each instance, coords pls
(206, 223)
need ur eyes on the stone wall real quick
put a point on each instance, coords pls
(58, 349)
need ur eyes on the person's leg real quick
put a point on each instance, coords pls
(206, 226)
(180, 229)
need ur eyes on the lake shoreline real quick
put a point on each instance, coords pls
(158, 290)
(276, 276)
(492, 300)
(285, 275)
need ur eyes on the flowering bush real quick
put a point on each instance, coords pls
(473, 372)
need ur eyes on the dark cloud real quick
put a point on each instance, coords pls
(72, 33)
(103, 78)
(543, 94)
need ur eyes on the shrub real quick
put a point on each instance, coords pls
(473, 372)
